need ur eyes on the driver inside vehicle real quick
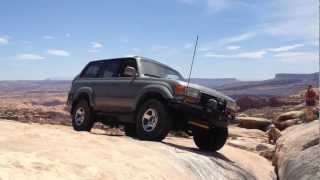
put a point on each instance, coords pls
(125, 67)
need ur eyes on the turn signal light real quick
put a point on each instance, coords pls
(179, 89)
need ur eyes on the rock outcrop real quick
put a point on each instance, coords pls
(289, 118)
(253, 140)
(254, 123)
(33, 151)
(297, 153)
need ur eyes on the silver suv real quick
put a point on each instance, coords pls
(149, 99)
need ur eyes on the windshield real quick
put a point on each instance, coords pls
(153, 69)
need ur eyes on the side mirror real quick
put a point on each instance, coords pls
(130, 72)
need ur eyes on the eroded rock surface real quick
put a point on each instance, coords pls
(33, 151)
(254, 123)
(298, 152)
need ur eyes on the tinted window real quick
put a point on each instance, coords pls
(111, 69)
(157, 70)
(127, 63)
(92, 70)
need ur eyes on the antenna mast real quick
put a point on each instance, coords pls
(194, 54)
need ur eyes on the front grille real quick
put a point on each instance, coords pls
(204, 101)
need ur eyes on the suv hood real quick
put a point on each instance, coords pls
(210, 92)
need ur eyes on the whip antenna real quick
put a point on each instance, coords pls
(194, 54)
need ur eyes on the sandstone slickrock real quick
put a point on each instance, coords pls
(254, 123)
(297, 153)
(291, 115)
(237, 132)
(33, 151)
(253, 140)
(290, 118)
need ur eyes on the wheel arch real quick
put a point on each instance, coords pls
(153, 92)
(86, 94)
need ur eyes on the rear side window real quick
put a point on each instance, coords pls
(92, 70)
(111, 68)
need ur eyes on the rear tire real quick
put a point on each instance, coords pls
(82, 116)
(153, 122)
(210, 140)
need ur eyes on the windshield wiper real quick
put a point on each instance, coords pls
(152, 75)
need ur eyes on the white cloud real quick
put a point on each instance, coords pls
(226, 42)
(203, 49)
(96, 45)
(26, 42)
(58, 52)
(286, 48)
(68, 35)
(4, 40)
(48, 37)
(187, 1)
(244, 55)
(158, 48)
(293, 18)
(188, 45)
(217, 5)
(238, 38)
(30, 56)
(233, 47)
(124, 39)
(93, 50)
(297, 56)
(213, 55)
(252, 55)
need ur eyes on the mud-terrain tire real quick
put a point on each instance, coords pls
(82, 116)
(130, 130)
(153, 121)
(210, 140)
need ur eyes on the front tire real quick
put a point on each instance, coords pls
(153, 122)
(130, 130)
(82, 116)
(210, 140)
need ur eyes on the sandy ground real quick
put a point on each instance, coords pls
(33, 151)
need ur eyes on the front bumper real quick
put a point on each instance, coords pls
(206, 114)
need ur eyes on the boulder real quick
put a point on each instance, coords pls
(283, 125)
(297, 152)
(242, 115)
(254, 123)
(291, 115)
(290, 118)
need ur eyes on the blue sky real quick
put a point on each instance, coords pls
(245, 39)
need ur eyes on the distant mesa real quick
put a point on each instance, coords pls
(312, 76)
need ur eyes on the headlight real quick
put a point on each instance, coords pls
(189, 92)
(194, 93)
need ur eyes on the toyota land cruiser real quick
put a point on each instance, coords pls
(149, 99)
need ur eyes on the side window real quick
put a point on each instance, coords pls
(126, 63)
(111, 69)
(92, 70)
